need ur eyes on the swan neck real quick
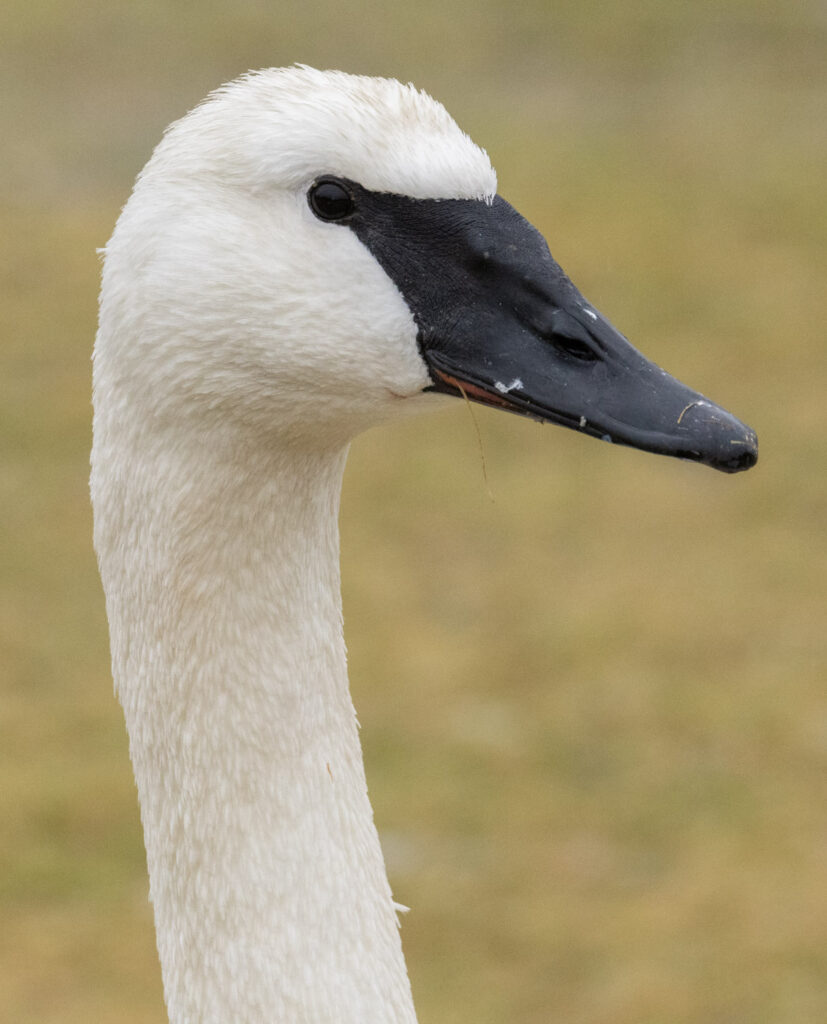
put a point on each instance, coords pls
(221, 571)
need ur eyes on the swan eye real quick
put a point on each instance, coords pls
(329, 199)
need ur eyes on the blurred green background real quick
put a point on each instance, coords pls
(593, 709)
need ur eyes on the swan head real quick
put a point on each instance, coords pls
(309, 253)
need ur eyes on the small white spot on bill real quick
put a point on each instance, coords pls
(515, 385)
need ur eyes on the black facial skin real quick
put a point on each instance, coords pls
(500, 322)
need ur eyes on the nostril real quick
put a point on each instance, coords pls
(578, 348)
(568, 335)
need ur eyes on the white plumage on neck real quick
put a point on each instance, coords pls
(242, 344)
(267, 879)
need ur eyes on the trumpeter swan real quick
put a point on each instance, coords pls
(306, 254)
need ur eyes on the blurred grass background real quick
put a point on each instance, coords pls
(593, 710)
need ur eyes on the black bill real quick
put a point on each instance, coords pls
(501, 323)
